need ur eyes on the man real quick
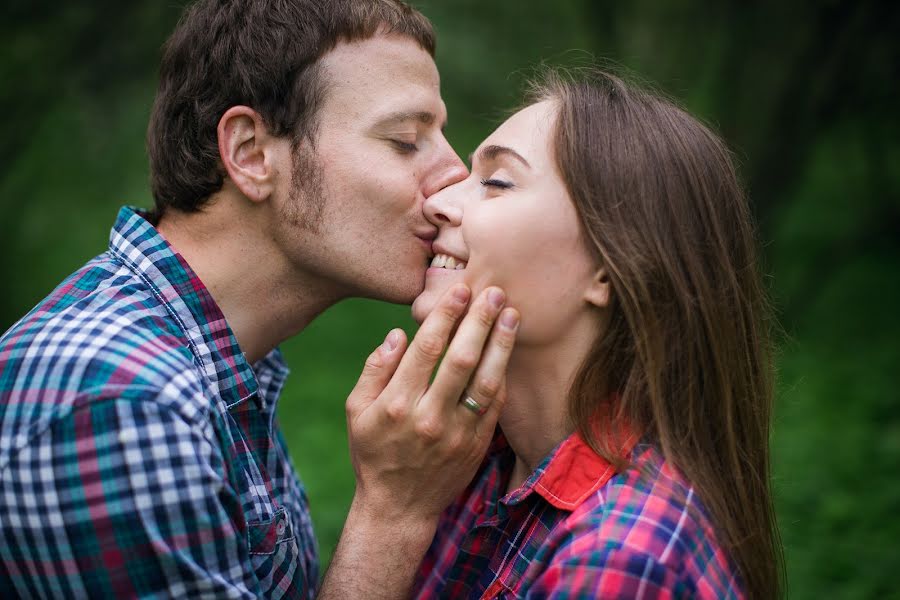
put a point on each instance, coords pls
(292, 145)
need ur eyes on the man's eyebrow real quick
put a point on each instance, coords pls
(493, 151)
(422, 116)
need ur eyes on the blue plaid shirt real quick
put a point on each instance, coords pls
(139, 451)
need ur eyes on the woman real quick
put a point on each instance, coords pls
(633, 459)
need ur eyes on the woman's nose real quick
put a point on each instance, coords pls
(444, 207)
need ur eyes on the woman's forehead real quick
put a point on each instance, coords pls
(528, 132)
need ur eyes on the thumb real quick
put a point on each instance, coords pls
(377, 372)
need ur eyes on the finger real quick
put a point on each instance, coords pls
(465, 352)
(488, 386)
(380, 366)
(430, 341)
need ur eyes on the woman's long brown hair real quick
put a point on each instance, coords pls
(687, 355)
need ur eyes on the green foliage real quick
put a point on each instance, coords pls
(804, 92)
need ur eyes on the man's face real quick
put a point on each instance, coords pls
(354, 216)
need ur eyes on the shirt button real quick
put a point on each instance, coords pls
(280, 527)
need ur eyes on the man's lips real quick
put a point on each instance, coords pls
(426, 240)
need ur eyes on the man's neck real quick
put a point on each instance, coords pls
(265, 299)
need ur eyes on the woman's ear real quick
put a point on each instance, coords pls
(598, 291)
(246, 150)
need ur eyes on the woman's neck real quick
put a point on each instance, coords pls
(536, 416)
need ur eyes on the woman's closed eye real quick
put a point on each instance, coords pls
(497, 183)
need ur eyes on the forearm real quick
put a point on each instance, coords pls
(377, 556)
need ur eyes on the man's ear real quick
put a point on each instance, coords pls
(246, 150)
(599, 289)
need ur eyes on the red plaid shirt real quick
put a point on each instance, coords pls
(578, 529)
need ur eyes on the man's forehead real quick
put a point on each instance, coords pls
(382, 57)
(385, 81)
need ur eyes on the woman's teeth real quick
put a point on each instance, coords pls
(442, 261)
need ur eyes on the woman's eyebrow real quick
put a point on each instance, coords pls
(493, 151)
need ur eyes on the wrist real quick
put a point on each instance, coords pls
(378, 554)
(390, 526)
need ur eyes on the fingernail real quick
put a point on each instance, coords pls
(510, 320)
(391, 341)
(496, 297)
(461, 294)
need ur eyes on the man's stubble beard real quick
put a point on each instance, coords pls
(304, 215)
(305, 207)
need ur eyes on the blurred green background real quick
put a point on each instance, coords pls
(805, 92)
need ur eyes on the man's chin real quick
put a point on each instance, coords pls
(396, 290)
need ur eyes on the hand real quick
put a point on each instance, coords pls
(414, 446)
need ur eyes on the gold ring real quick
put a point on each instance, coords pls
(472, 405)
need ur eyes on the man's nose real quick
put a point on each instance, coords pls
(449, 169)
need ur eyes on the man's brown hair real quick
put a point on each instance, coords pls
(687, 357)
(259, 53)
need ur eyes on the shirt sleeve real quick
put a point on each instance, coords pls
(618, 573)
(121, 499)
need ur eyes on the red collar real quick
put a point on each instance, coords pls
(575, 472)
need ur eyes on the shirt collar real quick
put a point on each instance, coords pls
(140, 246)
(570, 473)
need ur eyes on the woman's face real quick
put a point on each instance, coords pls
(512, 224)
